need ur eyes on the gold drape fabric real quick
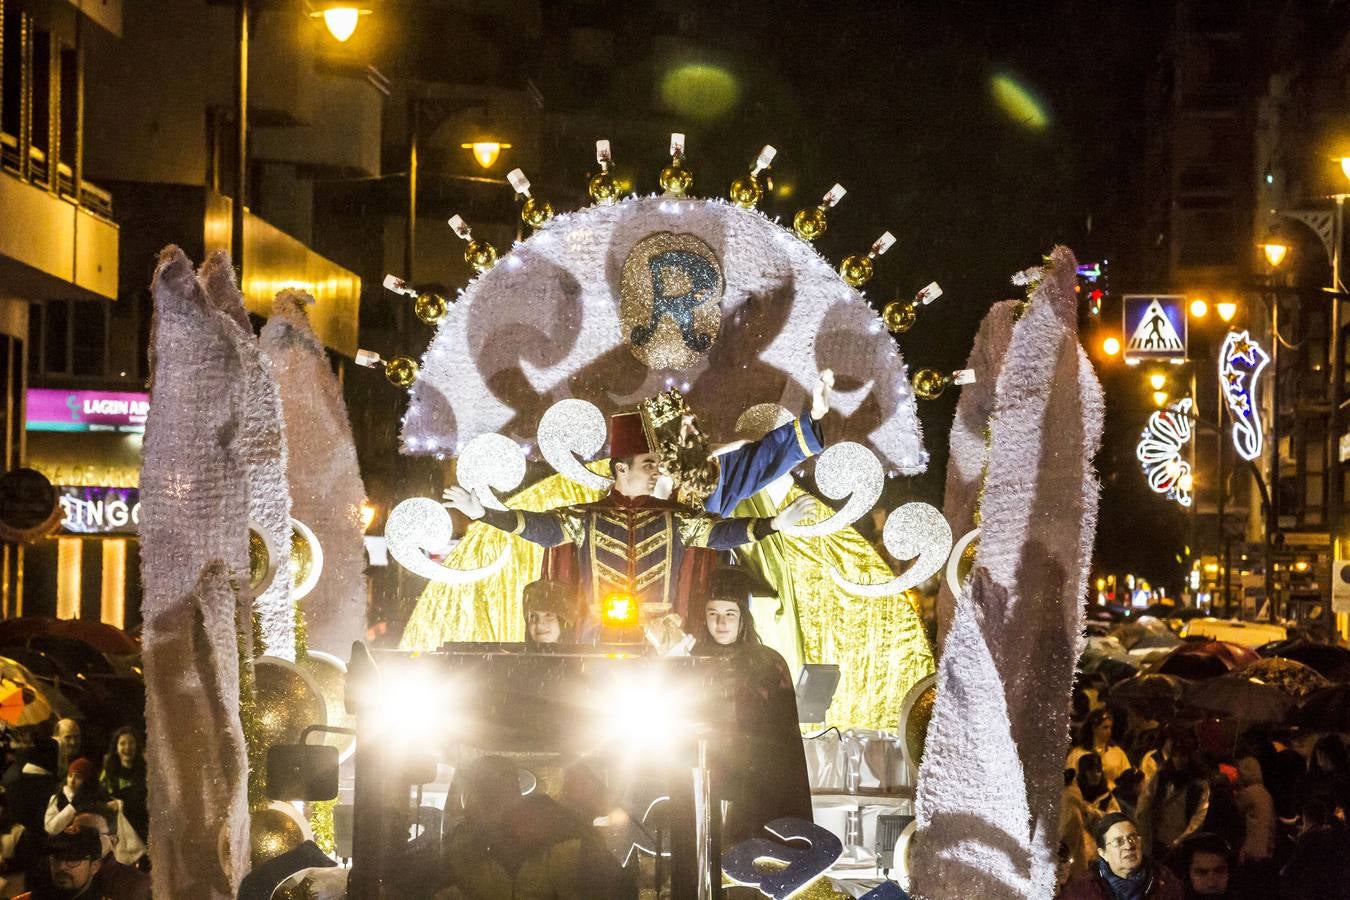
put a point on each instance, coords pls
(879, 644)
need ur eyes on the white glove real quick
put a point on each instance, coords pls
(820, 394)
(463, 500)
(794, 512)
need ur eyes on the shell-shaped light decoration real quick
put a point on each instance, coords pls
(491, 461)
(914, 531)
(572, 428)
(306, 560)
(420, 524)
(844, 470)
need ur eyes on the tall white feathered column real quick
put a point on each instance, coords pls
(194, 560)
(262, 448)
(321, 468)
(1038, 519)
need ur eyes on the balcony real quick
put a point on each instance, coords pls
(59, 244)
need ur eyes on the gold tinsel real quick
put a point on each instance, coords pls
(321, 823)
(249, 721)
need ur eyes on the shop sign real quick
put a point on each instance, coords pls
(100, 510)
(28, 506)
(116, 411)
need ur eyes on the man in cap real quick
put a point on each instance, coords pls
(75, 857)
(630, 542)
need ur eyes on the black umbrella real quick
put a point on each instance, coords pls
(1328, 659)
(1158, 694)
(1325, 710)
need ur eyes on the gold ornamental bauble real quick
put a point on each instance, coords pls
(262, 564)
(930, 383)
(481, 255)
(745, 192)
(916, 724)
(431, 308)
(809, 223)
(401, 371)
(536, 212)
(676, 179)
(288, 701)
(856, 270)
(899, 316)
(603, 189)
(329, 674)
(272, 833)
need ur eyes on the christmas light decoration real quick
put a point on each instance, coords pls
(401, 370)
(572, 427)
(479, 254)
(810, 223)
(858, 270)
(1159, 452)
(429, 307)
(930, 384)
(899, 316)
(1241, 361)
(420, 525)
(676, 180)
(490, 461)
(602, 187)
(534, 212)
(746, 191)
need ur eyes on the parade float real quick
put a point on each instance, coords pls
(692, 310)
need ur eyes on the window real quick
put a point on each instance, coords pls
(72, 337)
(11, 70)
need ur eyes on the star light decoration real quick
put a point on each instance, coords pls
(1241, 361)
(1159, 452)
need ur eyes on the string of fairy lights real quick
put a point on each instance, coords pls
(676, 180)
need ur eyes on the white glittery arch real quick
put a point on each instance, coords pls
(491, 462)
(543, 325)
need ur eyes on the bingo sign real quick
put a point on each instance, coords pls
(115, 411)
(1155, 327)
(99, 510)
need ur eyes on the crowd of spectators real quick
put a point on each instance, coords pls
(1259, 818)
(73, 822)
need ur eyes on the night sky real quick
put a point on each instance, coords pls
(896, 101)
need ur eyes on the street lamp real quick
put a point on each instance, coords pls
(341, 19)
(1275, 250)
(486, 152)
(1157, 380)
(1111, 346)
(1226, 309)
(1199, 308)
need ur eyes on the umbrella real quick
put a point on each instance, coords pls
(1237, 697)
(102, 637)
(1326, 710)
(1329, 660)
(1156, 640)
(1293, 678)
(21, 705)
(1160, 693)
(1201, 659)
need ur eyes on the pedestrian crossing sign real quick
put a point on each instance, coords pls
(1155, 327)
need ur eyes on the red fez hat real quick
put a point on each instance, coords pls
(627, 436)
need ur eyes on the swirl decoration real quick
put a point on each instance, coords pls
(1159, 451)
(915, 531)
(1241, 361)
(572, 427)
(420, 524)
(844, 470)
(491, 461)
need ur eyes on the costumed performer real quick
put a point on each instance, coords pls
(549, 613)
(630, 542)
(759, 765)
